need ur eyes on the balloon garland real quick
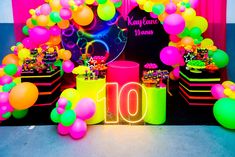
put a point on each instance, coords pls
(43, 32)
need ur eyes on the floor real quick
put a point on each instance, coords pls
(118, 141)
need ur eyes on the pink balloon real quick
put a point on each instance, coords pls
(174, 24)
(63, 130)
(18, 73)
(4, 98)
(170, 55)
(85, 108)
(67, 66)
(39, 35)
(45, 9)
(232, 87)
(174, 38)
(5, 80)
(171, 8)
(218, 91)
(176, 73)
(65, 14)
(78, 129)
(182, 8)
(194, 3)
(55, 30)
(65, 3)
(153, 15)
(28, 43)
(79, 2)
(62, 102)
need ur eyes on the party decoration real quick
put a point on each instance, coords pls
(19, 114)
(85, 108)
(174, 24)
(224, 112)
(39, 35)
(23, 96)
(10, 69)
(83, 16)
(220, 58)
(218, 91)
(170, 55)
(78, 129)
(68, 66)
(106, 11)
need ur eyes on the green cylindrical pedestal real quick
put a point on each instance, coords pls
(156, 105)
(91, 89)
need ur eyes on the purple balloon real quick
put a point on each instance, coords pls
(170, 56)
(218, 91)
(194, 3)
(45, 9)
(171, 8)
(39, 35)
(5, 80)
(174, 24)
(78, 129)
(85, 108)
(67, 66)
(63, 130)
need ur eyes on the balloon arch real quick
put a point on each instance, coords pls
(43, 31)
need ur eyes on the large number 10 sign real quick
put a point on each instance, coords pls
(124, 100)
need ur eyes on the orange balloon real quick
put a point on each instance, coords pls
(10, 59)
(83, 16)
(162, 17)
(42, 20)
(23, 96)
(2, 73)
(29, 23)
(63, 24)
(187, 41)
(54, 40)
(66, 55)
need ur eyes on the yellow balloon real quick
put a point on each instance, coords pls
(23, 54)
(55, 5)
(141, 2)
(148, 6)
(50, 23)
(199, 22)
(227, 84)
(159, 1)
(89, 1)
(189, 14)
(1, 89)
(232, 96)
(172, 44)
(71, 94)
(207, 43)
(42, 20)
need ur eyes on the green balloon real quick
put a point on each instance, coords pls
(68, 117)
(195, 32)
(158, 9)
(34, 22)
(55, 17)
(10, 69)
(197, 41)
(55, 116)
(106, 11)
(101, 1)
(210, 53)
(58, 63)
(18, 114)
(220, 58)
(224, 112)
(69, 105)
(187, 5)
(25, 30)
(184, 33)
(6, 115)
(118, 4)
(6, 88)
